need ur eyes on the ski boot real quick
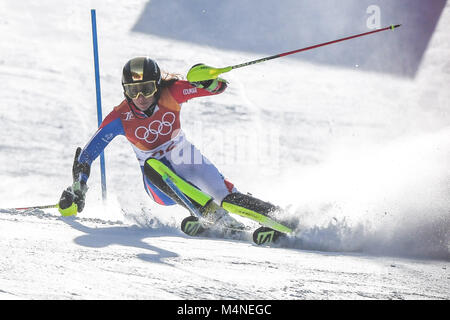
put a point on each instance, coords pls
(215, 216)
(220, 217)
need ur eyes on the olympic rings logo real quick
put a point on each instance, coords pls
(156, 128)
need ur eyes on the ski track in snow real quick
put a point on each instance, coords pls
(358, 160)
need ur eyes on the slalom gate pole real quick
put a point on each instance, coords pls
(202, 73)
(99, 100)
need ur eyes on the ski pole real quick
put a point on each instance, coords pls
(192, 209)
(203, 72)
(36, 207)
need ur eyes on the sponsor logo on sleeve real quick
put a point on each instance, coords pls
(189, 91)
(108, 137)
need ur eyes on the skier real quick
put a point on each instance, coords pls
(149, 118)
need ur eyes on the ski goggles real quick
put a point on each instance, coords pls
(147, 89)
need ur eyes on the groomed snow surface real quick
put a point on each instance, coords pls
(358, 159)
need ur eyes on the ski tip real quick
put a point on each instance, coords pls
(266, 236)
(395, 26)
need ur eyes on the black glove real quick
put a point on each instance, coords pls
(73, 198)
(79, 168)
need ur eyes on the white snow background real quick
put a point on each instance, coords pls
(359, 159)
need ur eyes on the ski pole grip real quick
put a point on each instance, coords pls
(203, 72)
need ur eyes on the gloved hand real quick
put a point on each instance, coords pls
(73, 198)
(215, 85)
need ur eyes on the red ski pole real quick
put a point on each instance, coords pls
(36, 207)
(203, 72)
(392, 27)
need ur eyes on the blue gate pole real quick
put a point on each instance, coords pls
(99, 99)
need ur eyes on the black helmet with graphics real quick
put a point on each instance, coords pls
(141, 75)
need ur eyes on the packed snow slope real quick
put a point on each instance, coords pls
(358, 159)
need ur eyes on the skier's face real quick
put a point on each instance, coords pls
(143, 103)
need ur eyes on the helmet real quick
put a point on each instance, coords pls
(141, 75)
